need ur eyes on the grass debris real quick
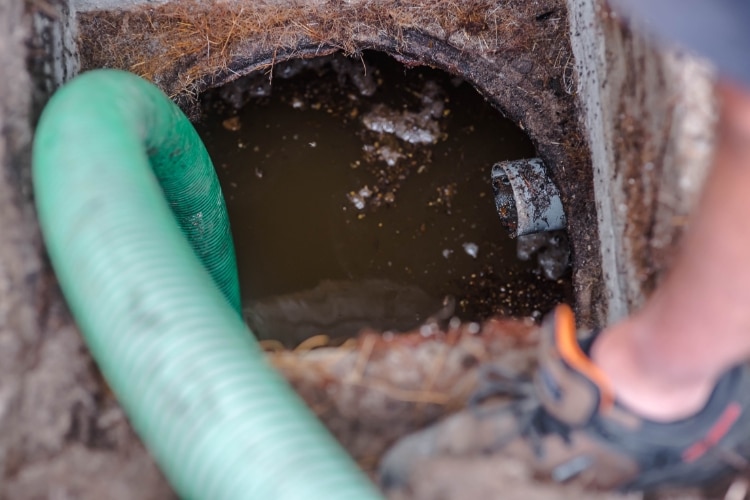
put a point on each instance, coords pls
(180, 44)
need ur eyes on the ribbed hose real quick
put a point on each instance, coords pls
(221, 423)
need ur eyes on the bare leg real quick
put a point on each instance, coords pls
(664, 361)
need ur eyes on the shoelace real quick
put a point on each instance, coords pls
(534, 423)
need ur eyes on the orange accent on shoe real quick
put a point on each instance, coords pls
(713, 436)
(570, 350)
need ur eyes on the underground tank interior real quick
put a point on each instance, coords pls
(360, 197)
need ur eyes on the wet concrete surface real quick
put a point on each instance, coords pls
(359, 194)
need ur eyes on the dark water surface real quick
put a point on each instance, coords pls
(363, 199)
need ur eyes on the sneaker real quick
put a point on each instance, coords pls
(568, 426)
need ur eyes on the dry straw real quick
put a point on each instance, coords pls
(182, 42)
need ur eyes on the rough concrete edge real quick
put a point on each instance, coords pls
(673, 105)
(15, 248)
(589, 49)
(54, 33)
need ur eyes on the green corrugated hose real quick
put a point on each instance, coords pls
(122, 183)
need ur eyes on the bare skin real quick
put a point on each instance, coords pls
(664, 361)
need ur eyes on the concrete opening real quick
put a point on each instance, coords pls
(516, 55)
(360, 197)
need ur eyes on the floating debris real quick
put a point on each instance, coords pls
(445, 195)
(359, 198)
(232, 124)
(356, 200)
(414, 127)
(471, 249)
(389, 155)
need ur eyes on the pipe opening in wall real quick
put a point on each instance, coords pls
(360, 196)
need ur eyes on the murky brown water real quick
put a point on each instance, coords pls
(364, 199)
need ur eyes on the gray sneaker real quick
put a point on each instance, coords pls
(567, 425)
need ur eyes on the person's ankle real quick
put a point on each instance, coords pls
(642, 386)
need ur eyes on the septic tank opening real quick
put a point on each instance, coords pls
(515, 53)
(371, 390)
(360, 197)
